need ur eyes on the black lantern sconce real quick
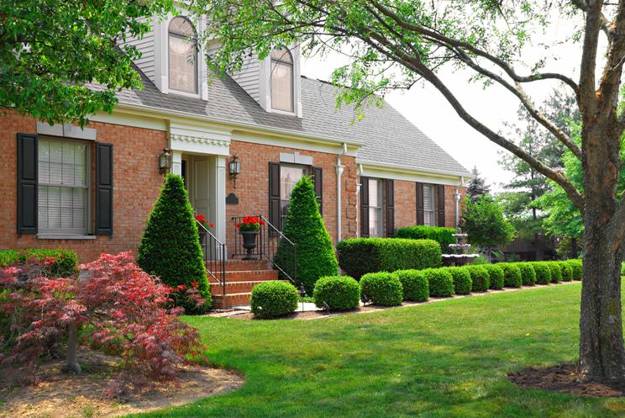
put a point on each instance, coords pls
(164, 161)
(234, 168)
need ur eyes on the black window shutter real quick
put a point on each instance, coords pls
(27, 178)
(364, 207)
(104, 189)
(275, 217)
(389, 202)
(419, 194)
(318, 179)
(440, 206)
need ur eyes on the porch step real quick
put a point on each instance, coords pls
(232, 299)
(236, 287)
(247, 265)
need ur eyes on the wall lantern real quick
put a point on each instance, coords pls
(234, 168)
(164, 161)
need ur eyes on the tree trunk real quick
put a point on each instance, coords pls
(71, 360)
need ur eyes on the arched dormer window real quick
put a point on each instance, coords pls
(183, 71)
(282, 80)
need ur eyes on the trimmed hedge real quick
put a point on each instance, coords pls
(462, 280)
(442, 235)
(497, 276)
(480, 278)
(556, 271)
(576, 268)
(382, 289)
(567, 271)
(415, 285)
(543, 272)
(64, 264)
(337, 293)
(441, 282)
(8, 258)
(511, 275)
(359, 256)
(273, 299)
(528, 275)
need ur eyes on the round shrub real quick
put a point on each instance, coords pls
(543, 272)
(415, 285)
(511, 275)
(441, 282)
(274, 298)
(480, 278)
(576, 268)
(496, 276)
(337, 293)
(528, 275)
(567, 271)
(462, 280)
(556, 271)
(382, 289)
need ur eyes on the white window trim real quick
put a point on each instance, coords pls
(197, 59)
(265, 85)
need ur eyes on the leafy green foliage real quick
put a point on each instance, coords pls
(567, 271)
(337, 293)
(462, 280)
(556, 271)
(358, 256)
(442, 235)
(8, 258)
(382, 289)
(52, 49)
(528, 275)
(170, 246)
(485, 224)
(497, 276)
(272, 299)
(543, 272)
(577, 271)
(511, 275)
(415, 285)
(441, 282)
(62, 263)
(480, 278)
(304, 226)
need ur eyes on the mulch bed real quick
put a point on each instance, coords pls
(563, 378)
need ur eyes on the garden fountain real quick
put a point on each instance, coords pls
(458, 255)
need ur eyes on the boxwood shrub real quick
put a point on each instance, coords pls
(567, 271)
(543, 272)
(273, 299)
(528, 275)
(8, 258)
(359, 256)
(441, 282)
(462, 280)
(556, 271)
(511, 275)
(496, 276)
(382, 289)
(64, 262)
(480, 278)
(442, 235)
(415, 285)
(337, 293)
(576, 268)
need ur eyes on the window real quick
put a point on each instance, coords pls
(289, 176)
(282, 80)
(63, 186)
(429, 205)
(376, 208)
(182, 56)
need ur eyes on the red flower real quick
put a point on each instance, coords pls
(201, 218)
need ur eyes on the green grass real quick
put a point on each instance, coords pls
(437, 360)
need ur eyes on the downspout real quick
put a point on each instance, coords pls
(358, 186)
(458, 195)
(339, 195)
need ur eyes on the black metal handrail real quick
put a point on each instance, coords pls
(267, 242)
(214, 256)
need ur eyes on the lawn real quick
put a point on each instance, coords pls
(442, 359)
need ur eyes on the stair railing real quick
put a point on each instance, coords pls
(214, 256)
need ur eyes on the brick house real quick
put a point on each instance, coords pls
(91, 189)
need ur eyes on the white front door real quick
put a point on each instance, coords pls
(200, 187)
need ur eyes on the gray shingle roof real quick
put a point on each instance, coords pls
(387, 138)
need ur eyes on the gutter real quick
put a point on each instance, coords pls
(413, 170)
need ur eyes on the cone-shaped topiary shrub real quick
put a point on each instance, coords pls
(496, 276)
(576, 268)
(170, 247)
(556, 271)
(511, 275)
(480, 277)
(415, 285)
(441, 282)
(337, 293)
(274, 298)
(543, 272)
(382, 289)
(567, 271)
(304, 226)
(462, 280)
(528, 275)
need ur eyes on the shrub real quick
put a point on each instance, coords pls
(480, 277)
(444, 236)
(314, 256)
(576, 268)
(170, 246)
(496, 275)
(556, 271)
(483, 220)
(543, 272)
(359, 256)
(58, 263)
(337, 293)
(383, 289)
(567, 271)
(8, 258)
(511, 275)
(273, 299)
(441, 282)
(415, 285)
(528, 275)
(462, 280)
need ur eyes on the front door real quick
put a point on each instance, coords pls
(196, 173)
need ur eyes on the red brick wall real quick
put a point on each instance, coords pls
(135, 177)
(405, 203)
(252, 185)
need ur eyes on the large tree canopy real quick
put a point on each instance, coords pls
(51, 49)
(395, 43)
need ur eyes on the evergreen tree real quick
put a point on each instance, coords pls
(170, 247)
(477, 186)
(304, 226)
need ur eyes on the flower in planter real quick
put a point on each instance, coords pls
(202, 219)
(250, 223)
